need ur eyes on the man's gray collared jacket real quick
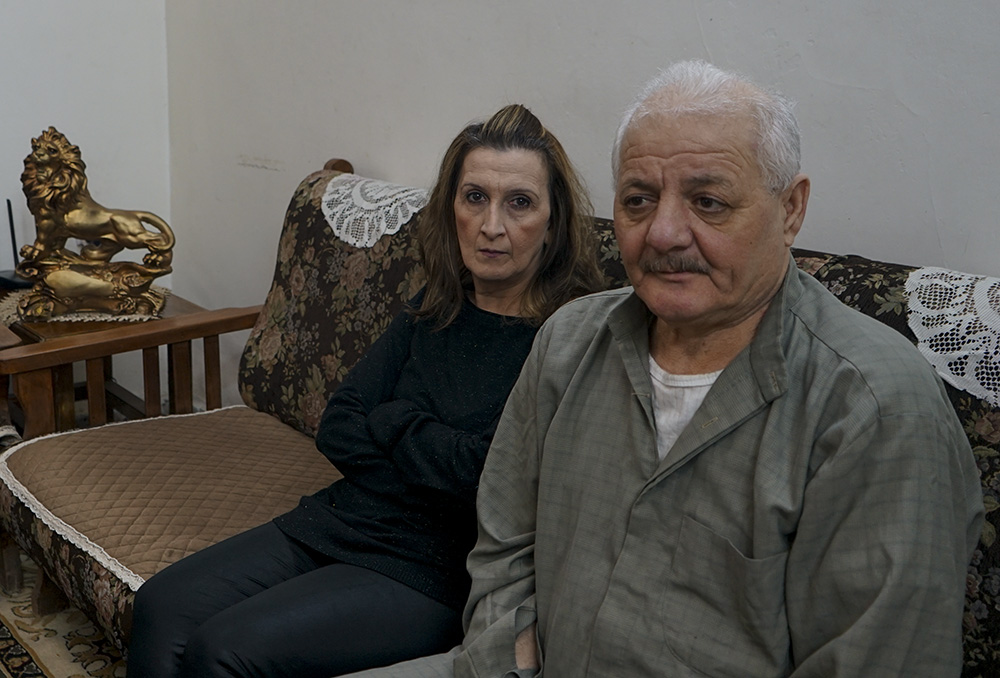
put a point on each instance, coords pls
(815, 518)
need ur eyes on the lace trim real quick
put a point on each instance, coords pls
(360, 210)
(956, 319)
(60, 526)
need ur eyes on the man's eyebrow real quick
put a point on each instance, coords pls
(641, 184)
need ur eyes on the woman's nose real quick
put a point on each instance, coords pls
(493, 226)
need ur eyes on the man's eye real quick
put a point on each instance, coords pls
(709, 204)
(634, 201)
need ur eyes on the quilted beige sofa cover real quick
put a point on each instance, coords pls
(99, 514)
(137, 496)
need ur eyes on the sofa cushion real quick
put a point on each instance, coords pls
(103, 509)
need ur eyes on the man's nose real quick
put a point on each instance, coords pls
(670, 228)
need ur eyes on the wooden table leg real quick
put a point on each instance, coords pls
(97, 401)
(36, 392)
(5, 399)
(11, 574)
(64, 397)
(179, 384)
(109, 379)
(151, 380)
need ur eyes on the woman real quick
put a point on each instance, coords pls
(371, 570)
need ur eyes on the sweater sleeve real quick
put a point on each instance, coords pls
(343, 435)
(428, 453)
(438, 429)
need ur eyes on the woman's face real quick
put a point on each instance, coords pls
(502, 217)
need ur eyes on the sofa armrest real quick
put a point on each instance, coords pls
(130, 337)
(8, 338)
(38, 367)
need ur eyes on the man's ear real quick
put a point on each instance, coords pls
(793, 202)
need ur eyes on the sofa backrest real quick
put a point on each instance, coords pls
(330, 300)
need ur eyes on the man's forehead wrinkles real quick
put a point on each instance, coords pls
(707, 179)
(655, 154)
(657, 172)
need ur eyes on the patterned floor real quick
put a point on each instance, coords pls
(63, 645)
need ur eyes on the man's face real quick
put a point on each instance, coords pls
(704, 242)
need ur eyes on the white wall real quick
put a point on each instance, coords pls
(97, 72)
(898, 103)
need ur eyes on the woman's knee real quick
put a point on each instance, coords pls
(157, 596)
(219, 651)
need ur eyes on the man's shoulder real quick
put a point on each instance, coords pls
(590, 311)
(598, 302)
(891, 367)
(586, 321)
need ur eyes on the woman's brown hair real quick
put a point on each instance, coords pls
(569, 265)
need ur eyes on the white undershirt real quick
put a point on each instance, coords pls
(676, 397)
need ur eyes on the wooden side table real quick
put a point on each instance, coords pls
(41, 366)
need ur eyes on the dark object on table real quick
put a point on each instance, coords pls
(10, 280)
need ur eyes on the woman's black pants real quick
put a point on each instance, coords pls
(261, 604)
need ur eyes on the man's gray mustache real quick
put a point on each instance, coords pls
(672, 263)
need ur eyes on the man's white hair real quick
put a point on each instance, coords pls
(699, 88)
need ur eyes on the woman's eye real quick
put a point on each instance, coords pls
(475, 196)
(521, 202)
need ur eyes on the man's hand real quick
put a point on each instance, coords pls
(526, 648)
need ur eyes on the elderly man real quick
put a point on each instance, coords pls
(722, 470)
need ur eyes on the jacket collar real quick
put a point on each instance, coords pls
(754, 378)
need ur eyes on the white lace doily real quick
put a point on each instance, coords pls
(956, 318)
(360, 210)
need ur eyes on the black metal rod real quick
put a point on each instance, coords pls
(13, 239)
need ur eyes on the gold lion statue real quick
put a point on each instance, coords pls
(56, 188)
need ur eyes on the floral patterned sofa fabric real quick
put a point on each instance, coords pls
(330, 300)
(328, 303)
(300, 350)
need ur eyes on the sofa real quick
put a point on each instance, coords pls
(102, 509)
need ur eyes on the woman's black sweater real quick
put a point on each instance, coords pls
(409, 428)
